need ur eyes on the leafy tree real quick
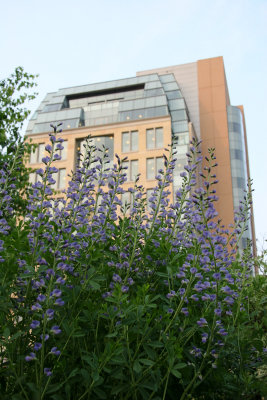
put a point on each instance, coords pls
(15, 92)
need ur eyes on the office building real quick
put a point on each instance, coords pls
(138, 117)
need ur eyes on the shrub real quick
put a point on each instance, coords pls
(106, 301)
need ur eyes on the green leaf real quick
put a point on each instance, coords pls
(176, 373)
(137, 367)
(146, 362)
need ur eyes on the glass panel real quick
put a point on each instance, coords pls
(32, 178)
(159, 137)
(134, 140)
(180, 126)
(62, 179)
(176, 94)
(178, 115)
(159, 163)
(150, 139)
(126, 171)
(134, 169)
(125, 198)
(63, 152)
(55, 185)
(150, 168)
(170, 86)
(33, 157)
(167, 78)
(125, 142)
(41, 152)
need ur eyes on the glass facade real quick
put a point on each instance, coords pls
(238, 161)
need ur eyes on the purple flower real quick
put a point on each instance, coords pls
(48, 148)
(194, 297)
(204, 337)
(46, 337)
(130, 281)
(193, 270)
(47, 371)
(50, 313)
(30, 357)
(170, 310)
(217, 276)
(124, 289)
(55, 329)
(36, 307)
(171, 294)
(185, 311)
(56, 293)
(35, 324)
(41, 297)
(229, 300)
(46, 160)
(222, 332)
(37, 346)
(116, 278)
(202, 322)
(218, 311)
(55, 351)
(59, 302)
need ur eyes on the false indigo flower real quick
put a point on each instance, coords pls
(37, 346)
(30, 357)
(41, 297)
(35, 324)
(47, 371)
(116, 278)
(46, 337)
(202, 322)
(50, 313)
(36, 307)
(55, 351)
(185, 311)
(124, 289)
(59, 302)
(55, 293)
(55, 329)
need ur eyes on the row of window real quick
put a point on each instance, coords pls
(59, 178)
(154, 140)
(153, 165)
(39, 152)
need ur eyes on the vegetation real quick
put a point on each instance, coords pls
(15, 93)
(100, 300)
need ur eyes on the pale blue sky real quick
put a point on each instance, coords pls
(77, 42)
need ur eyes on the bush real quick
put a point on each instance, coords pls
(105, 301)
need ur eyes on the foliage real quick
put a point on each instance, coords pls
(105, 301)
(13, 98)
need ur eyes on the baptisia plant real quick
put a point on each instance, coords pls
(123, 301)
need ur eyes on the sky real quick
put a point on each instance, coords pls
(78, 42)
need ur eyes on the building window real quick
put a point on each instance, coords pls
(60, 178)
(152, 166)
(127, 198)
(98, 142)
(37, 154)
(132, 170)
(154, 138)
(129, 141)
(34, 178)
(149, 193)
